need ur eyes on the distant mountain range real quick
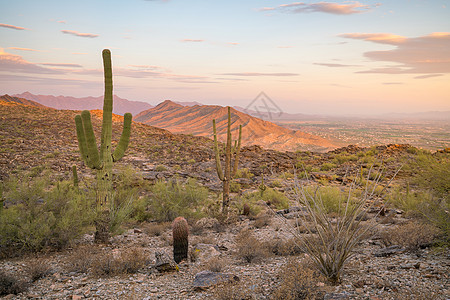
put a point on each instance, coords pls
(121, 106)
(197, 120)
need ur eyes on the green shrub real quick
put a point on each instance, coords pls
(160, 168)
(270, 196)
(38, 214)
(235, 187)
(327, 166)
(244, 173)
(173, 199)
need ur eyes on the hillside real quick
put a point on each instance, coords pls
(121, 106)
(9, 100)
(197, 120)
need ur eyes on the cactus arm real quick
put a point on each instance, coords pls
(216, 151)
(93, 159)
(75, 176)
(81, 139)
(105, 146)
(124, 138)
(238, 151)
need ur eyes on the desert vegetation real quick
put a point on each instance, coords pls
(352, 223)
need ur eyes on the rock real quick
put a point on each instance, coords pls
(388, 251)
(164, 263)
(76, 297)
(206, 251)
(206, 279)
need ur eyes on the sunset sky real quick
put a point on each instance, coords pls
(314, 57)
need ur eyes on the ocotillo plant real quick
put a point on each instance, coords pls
(102, 162)
(180, 234)
(230, 170)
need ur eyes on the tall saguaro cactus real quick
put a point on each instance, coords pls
(230, 168)
(102, 161)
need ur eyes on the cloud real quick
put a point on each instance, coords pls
(424, 54)
(12, 27)
(334, 65)
(146, 67)
(79, 53)
(427, 76)
(285, 47)
(192, 40)
(353, 7)
(76, 33)
(62, 65)
(61, 21)
(392, 83)
(15, 63)
(22, 49)
(233, 43)
(382, 38)
(260, 74)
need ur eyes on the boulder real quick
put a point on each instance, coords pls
(206, 279)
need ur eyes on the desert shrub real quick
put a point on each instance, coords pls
(235, 291)
(343, 157)
(244, 173)
(332, 198)
(173, 198)
(282, 247)
(235, 187)
(10, 284)
(424, 206)
(327, 166)
(276, 183)
(128, 261)
(270, 196)
(156, 229)
(297, 281)
(432, 172)
(412, 235)
(80, 259)
(263, 219)
(39, 214)
(160, 168)
(249, 248)
(38, 268)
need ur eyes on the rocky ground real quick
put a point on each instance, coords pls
(370, 274)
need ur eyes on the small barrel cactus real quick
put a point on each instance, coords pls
(180, 233)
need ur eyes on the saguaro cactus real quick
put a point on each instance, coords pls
(180, 234)
(230, 169)
(102, 162)
(75, 176)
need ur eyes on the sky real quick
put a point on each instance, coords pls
(313, 57)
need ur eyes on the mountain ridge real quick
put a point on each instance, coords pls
(197, 120)
(121, 105)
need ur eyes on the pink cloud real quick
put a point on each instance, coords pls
(424, 54)
(353, 7)
(62, 65)
(331, 65)
(192, 40)
(427, 76)
(22, 49)
(15, 63)
(260, 74)
(12, 27)
(76, 33)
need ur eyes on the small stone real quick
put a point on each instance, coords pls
(76, 297)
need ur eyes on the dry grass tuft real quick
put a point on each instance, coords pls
(126, 262)
(412, 235)
(249, 248)
(156, 229)
(215, 264)
(80, 260)
(38, 269)
(298, 281)
(10, 284)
